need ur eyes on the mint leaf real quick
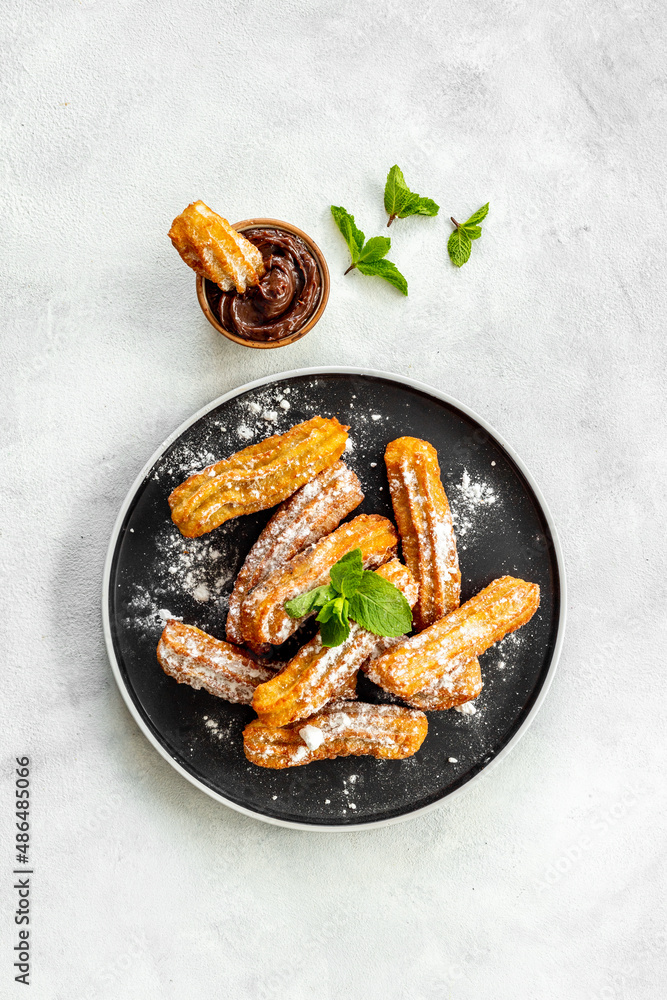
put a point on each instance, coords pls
(353, 237)
(385, 269)
(478, 216)
(304, 604)
(380, 607)
(334, 622)
(424, 206)
(374, 249)
(400, 201)
(459, 246)
(396, 193)
(334, 632)
(459, 243)
(347, 572)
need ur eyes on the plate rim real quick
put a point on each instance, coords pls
(333, 370)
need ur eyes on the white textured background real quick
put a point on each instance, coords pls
(547, 879)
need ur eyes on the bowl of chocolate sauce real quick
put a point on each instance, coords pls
(291, 295)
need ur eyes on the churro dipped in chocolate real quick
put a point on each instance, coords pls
(211, 247)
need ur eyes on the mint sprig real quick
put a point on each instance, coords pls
(358, 594)
(400, 201)
(368, 255)
(459, 244)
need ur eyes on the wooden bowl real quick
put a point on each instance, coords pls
(310, 322)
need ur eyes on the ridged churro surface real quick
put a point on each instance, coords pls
(313, 511)
(420, 661)
(461, 683)
(317, 673)
(425, 526)
(193, 657)
(345, 729)
(263, 615)
(211, 247)
(258, 477)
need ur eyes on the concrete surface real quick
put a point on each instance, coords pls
(547, 879)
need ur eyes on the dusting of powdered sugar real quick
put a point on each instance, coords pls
(200, 567)
(466, 709)
(478, 494)
(470, 500)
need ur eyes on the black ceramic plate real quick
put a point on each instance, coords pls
(502, 525)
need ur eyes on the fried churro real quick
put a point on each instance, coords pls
(211, 247)
(317, 673)
(258, 477)
(420, 661)
(425, 527)
(193, 657)
(309, 514)
(263, 615)
(343, 729)
(461, 683)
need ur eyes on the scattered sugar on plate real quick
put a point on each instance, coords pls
(201, 593)
(376, 416)
(283, 404)
(373, 465)
(466, 709)
(475, 493)
(254, 407)
(453, 760)
(166, 615)
(244, 432)
(270, 416)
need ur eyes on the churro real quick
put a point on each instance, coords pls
(193, 657)
(263, 615)
(309, 514)
(317, 673)
(420, 661)
(211, 247)
(258, 477)
(425, 527)
(343, 729)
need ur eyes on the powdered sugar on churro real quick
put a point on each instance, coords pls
(312, 736)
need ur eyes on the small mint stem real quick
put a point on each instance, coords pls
(350, 268)
(391, 219)
(454, 221)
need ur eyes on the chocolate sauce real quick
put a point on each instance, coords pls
(287, 294)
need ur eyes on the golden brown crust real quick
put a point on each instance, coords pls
(258, 477)
(263, 615)
(317, 674)
(425, 526)
(194, 657)
(211, 247)
(387, 732)
(461, 683)
(418, 662)
(313, 511)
